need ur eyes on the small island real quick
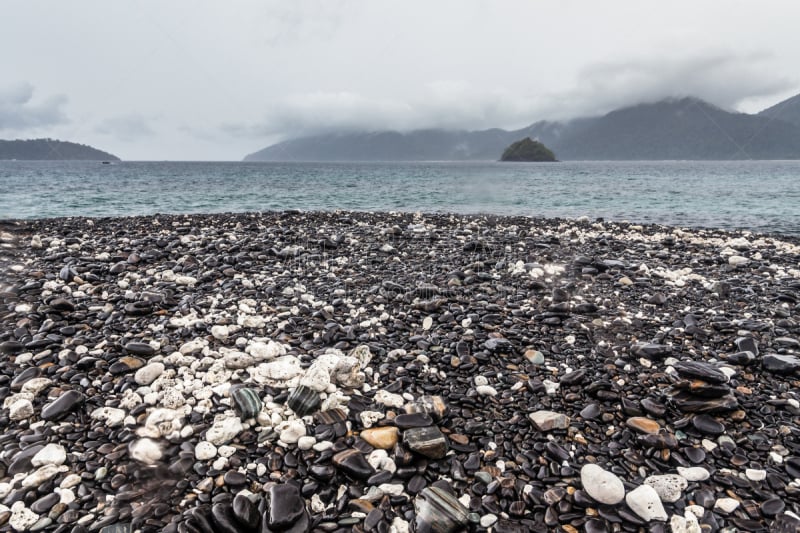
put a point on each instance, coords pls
(528, 150)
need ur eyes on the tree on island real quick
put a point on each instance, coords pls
(528, 150)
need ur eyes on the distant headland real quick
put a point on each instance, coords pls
(51, 150)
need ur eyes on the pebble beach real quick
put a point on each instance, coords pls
(353, 371)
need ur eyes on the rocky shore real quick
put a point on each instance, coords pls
(396, 372)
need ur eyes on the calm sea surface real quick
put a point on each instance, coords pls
(762, 196)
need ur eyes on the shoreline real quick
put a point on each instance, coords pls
(157, 359)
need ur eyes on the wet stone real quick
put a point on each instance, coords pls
(63, 405)
(438, 511)
(428, 441)
(780, 364)
(701, 371)
(286, 506)
(140, 348)
(246, 402)
(245, 512)
(304, 400)
(708, 425)
(353, 464)
(414, 420)
(651, 351)
(643, 425)
(434, 406)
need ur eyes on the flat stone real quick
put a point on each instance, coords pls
(140, 348)
(651, 351)
(52, 454)
(781, 364)
(643, 425)
(304, 400)
(701, 371)
(645, 502)
(726, 505)
(693, 473)
(381, 437)
(708, 425)
(414, 420)
(435, 406)
(428, 441)
(148, 373)
(286, 507)
(549, 420)
(63, 405)
(603, 486)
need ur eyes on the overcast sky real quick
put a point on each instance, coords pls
(210, 80)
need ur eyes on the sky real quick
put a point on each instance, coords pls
(210, 80)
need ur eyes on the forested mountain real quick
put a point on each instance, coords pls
(684, 128)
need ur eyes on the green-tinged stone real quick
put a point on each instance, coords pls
(246, 402)
(304, 400)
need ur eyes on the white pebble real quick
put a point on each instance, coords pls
(52, 454)
(726, 505)
(486, 390)
(148, 373)
(602, 485)
(291, 431)
(694, 473)
(644, 501)
(306, 443)
(204, 451)
(146, 451)
(755, 474)
(22, 518)
(20, 410)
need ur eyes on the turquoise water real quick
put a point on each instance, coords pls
(762, 196)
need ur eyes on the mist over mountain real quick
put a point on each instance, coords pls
(788, 110)
(675, 128)
(51, 150)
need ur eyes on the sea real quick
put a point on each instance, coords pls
(760, 196)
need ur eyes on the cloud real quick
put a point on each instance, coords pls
(441, 104)
(129, 128)
(721, 78)
(18, 112)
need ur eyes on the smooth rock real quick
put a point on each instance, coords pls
(304, 400)
(603, 486)
(51, 454)
(286, 507)
(148, 373)
(438, 511)
(549, 420)
(145, 451)
(381, 437)
(246, 402)
(354, 464)
(644, 501)
(693, 473)
(643, 425)
(428, 441)
(62, 406)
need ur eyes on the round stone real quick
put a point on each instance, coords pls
(602, 485)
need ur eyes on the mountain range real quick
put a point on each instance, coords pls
(675, 128)
(51, 149)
